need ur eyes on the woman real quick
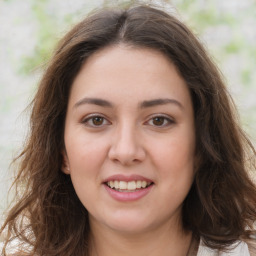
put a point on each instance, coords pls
(134, 147)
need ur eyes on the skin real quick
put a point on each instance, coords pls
(131, 137)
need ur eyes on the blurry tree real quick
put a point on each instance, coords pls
(227, 28)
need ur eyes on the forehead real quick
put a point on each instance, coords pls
(122, 72)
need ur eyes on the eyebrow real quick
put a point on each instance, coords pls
(155, 102)
(144, 104)
(94, 101)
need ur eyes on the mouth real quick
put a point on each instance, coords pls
(130, 186)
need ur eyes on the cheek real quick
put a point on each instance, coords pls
(85, 159)
(174, 160)
(85, 152)
(174, 152)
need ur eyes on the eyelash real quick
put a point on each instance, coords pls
(90, 118)
(167, 120)
(88, 121)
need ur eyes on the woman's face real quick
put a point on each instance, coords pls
(130, 139)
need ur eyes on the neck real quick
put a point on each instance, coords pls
(162, 241)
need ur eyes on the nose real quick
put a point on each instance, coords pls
(126, 146)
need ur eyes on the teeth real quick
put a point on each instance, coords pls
(138, 184)
(116, 184)
(131, 185)
(111, 184)
(123, 185)
(143, 184)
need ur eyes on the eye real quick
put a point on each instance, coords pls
(95, 121)
(160, 121)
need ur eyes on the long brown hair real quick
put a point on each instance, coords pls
(221, 205)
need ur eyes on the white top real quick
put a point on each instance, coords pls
(238, 249)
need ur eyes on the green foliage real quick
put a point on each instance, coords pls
(202, 16)
(233, 47)
(246, 76)
(46, 38)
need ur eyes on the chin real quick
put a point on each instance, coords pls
(130, 225)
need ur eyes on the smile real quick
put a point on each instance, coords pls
(124, 186)
(128, 188)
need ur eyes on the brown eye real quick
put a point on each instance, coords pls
(159, 121)
(97, 120)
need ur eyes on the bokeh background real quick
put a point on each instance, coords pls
(29, 30)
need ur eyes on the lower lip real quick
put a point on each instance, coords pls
(128, 196)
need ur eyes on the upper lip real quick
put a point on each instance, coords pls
(127, 178)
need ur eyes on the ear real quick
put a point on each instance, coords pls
(65, 163)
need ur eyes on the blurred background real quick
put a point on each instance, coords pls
(29, 30)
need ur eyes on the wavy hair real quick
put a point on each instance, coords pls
(221, 205)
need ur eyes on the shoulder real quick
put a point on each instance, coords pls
(252, 246)
(15, 249)
(240, 248)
